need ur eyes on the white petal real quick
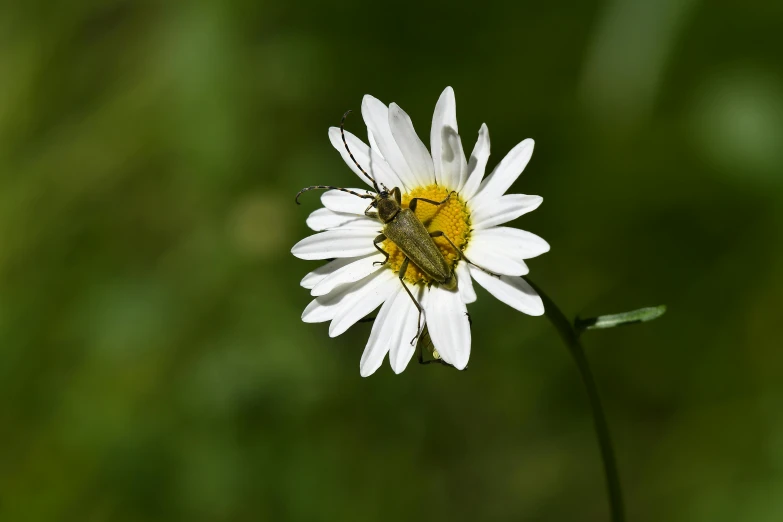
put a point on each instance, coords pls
(491, 254)
(339, 201)
(374, 144)
(445, 115)
(336, 243)
(518, 244)
(455, 171)
(378, 343)
(376, 117)
(506, 208)
(401, 348)
(325, 307)
(412, 148)
(514, 291)
(507, 171)
(373, 291)
(316, 276)
(447, 154)
(325, 219)
(392, 324)
(350, 273)
(465, 283)
(370, 160)
(477, 164)
(317, 312)
(447, 321)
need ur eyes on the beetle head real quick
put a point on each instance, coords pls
(388, 207)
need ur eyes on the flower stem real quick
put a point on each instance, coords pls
(571, 338)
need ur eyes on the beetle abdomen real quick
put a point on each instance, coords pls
(412, 238)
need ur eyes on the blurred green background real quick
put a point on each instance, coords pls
(153, 366)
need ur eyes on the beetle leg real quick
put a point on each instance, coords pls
(439, 233)
(420, 352)
(419, 328)
(420, 357)
(380, 238)
(369, 214)
(412, 205)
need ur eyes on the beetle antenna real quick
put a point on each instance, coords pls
(342, 133)
(328, 187)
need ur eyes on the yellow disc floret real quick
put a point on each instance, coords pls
(452, 218)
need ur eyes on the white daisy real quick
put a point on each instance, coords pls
(357, 281)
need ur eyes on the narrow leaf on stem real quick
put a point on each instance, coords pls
(642, 315)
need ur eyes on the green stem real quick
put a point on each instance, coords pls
(571, 338)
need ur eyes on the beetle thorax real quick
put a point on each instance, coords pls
(452, 218)
(387, 209)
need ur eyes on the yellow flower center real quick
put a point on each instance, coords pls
(452, 218)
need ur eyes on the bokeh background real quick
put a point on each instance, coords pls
(153, 366)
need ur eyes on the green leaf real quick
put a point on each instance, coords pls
(642, 315)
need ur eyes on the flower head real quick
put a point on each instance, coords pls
(460, 208)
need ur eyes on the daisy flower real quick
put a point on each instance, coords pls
(357, 280)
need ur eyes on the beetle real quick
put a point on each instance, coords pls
(404, 229)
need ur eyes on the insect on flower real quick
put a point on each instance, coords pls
(434, 231)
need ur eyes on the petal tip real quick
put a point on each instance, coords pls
(536, 202)
(461, 365)
(333, 330)
(538, 310)
(369, 100)
(396, 112)
(448, 92)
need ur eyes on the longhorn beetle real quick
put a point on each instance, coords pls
(402, 227)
